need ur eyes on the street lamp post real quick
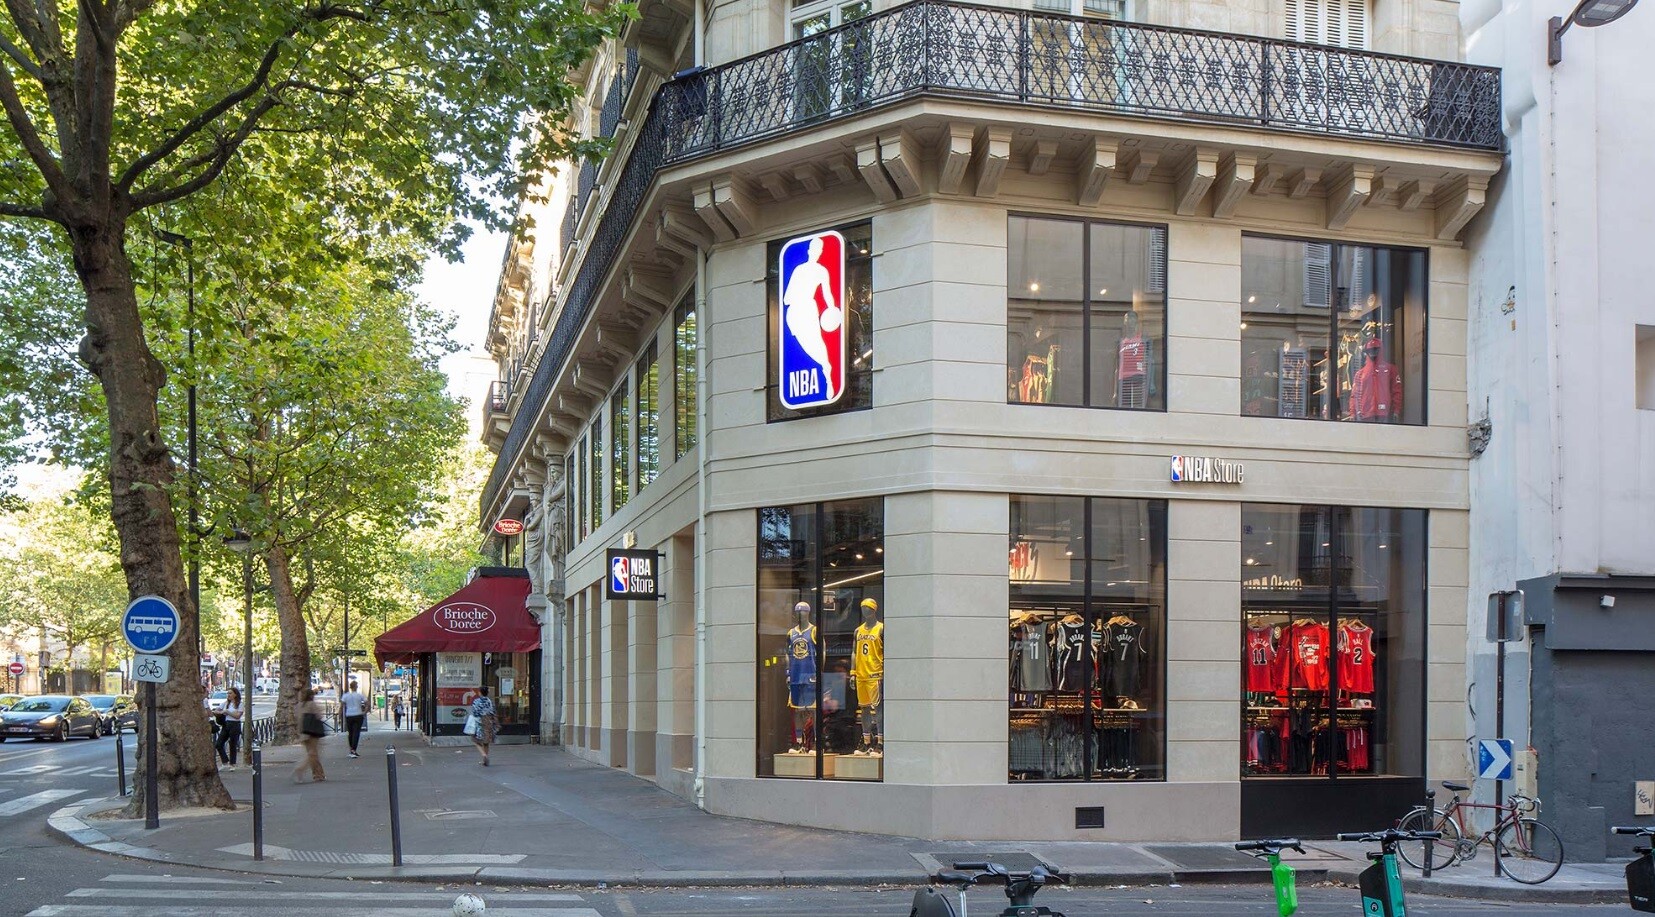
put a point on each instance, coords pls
(242, 543)
(1588, 14)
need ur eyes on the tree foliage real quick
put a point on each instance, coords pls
(60, 574)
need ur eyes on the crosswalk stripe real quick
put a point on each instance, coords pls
(177, 880)
(290, 911)
(36, 800)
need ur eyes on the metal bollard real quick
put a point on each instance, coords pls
(1430, 825)
(120, 761)
(396, 814)
(258, 802)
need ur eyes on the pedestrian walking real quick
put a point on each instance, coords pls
(311, 730)
(229, 734)
(396, 712)
(355, 707)
(486, 722)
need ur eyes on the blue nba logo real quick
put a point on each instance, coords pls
(1177, 468)
(619, 577)
(814, 341)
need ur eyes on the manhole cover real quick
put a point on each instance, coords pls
(459, 814)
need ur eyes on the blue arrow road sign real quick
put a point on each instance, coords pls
(1494, 759)
(150, 624)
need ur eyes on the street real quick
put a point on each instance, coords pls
(44, 877)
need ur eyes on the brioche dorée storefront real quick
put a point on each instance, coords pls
(481, 635)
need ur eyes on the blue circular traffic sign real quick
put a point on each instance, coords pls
(150, 624)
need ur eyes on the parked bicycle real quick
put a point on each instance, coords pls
(1281, 875)
(1526, 849)
(1021, 887)
(1381, 883)
(1640, 873)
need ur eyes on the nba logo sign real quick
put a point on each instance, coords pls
(619, 575)
(814, 340)
(1177, 468)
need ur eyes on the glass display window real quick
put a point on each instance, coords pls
(821, 640)
(1332, 331)
(1085, 313)
(857, 319)
(1087, 672)
(1333, 641)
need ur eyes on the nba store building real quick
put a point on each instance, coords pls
(1042, 422)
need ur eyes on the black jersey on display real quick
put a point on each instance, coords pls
(1123, 648)
(1071, 643)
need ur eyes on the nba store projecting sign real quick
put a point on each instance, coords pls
(632, 575)
(815, 343)
(1196, 469)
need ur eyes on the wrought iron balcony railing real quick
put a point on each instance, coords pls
(499, 395)
(937, 48)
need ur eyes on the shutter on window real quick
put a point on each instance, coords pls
(1157, 280)
(1318, 261)
(1359, 284)
(1343, 23)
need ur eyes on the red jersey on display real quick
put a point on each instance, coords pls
(1309, 645)
(1376, 392)
(1356, 658)
(1261, 660)
(1132, 357)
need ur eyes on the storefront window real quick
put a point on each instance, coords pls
(856, 321)
(683, 375)
(508, 676)
(1087, 639)
(822, 640)
(648, 409)
(620, 446)
(1333, 641)
(1085, 314)
(1332, 331)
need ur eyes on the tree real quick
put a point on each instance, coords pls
(116, 107)
(59, 574)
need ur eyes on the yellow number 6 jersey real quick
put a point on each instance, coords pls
(869, 664)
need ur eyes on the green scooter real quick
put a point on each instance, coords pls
(1281, 874)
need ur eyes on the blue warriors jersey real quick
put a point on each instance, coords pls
(801, 655)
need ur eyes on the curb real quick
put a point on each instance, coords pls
(66, 825)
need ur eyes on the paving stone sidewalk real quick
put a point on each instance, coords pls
(540, 816)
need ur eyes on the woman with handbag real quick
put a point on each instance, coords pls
(311, 730)
(229, 732)
(482, 723)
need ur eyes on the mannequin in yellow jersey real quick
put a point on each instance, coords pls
(868, 671)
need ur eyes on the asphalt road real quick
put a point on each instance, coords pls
(41, 877)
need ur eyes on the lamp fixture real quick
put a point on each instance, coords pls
(1588, 14)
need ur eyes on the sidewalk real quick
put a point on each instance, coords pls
(539, 816)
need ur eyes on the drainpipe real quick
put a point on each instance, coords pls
(701, 493)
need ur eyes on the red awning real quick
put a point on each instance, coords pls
(489, 615)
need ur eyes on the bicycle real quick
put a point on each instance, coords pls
(1281, 874)
(1021, 887)
(1526, 849)
(1381, 883)
(1640, 873)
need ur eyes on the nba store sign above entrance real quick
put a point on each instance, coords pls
(1196, 469)
(632, 575)
(813, 340)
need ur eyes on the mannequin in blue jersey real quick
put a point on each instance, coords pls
(801, 678)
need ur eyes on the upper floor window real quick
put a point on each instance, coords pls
(684, 331)
(1102, 9)
(620, 445)
(1332, 331)
(1328, 22)
(585, 521)
(594, 491)
(1085, 314)
(648, 408)
(817, 16)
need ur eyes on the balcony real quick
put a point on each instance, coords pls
(496, 422)
(931, 48)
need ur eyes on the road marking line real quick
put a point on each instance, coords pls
(176, 880)
(444, 910)
(317, 896)
(34, 801)
(33, 770)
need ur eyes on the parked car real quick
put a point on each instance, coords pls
(50, 716)
(215, 701)
(118, 711)
(6, 700)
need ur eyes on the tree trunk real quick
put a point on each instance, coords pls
(295, 661)
(140, 472)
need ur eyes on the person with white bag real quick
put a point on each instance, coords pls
(482, 722)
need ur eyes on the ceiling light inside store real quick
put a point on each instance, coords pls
(1252, 561)
(1269, 542)
(1034, 286)
(1243, 326)
(1104, 292)
(859, 557)
(879, 550)
(1383, 546)
(1252, 299)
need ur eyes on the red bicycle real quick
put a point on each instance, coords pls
(1526, 849)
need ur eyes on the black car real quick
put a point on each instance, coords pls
(117, 711)
(50, 716)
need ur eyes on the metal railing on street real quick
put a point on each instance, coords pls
(952, 50)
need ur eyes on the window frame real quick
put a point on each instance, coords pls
(1086, 306)
(685, 370)
(648, 356)
(621, 446)
(1334, 245)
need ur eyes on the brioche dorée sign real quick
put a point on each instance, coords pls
(463, 617)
